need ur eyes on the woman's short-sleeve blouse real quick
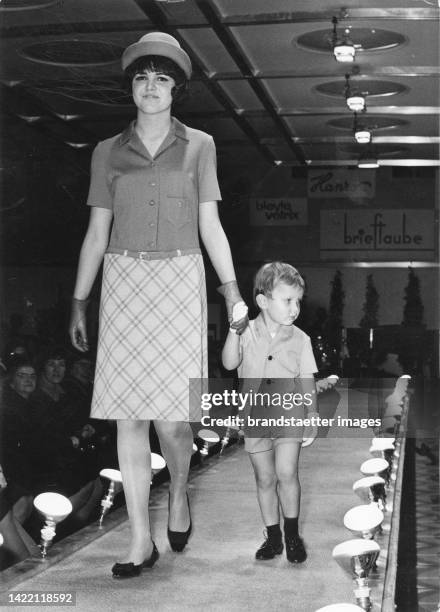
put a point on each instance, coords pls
(154, 200)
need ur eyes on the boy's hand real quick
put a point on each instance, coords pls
(326, 383)
(239, 318)
(233, 298)
(310, 431)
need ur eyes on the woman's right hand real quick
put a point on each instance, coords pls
(78, 325)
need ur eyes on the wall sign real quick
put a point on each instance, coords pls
(377, 234)
(278, 211)
(341, 183)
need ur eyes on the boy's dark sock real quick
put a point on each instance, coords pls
(274, 533)
(291, 527)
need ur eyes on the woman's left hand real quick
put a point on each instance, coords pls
(233, 301)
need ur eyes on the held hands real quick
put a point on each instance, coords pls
(235, 306)
(78, 325)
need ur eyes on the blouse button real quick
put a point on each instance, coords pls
(151, 224)
(152, 202)
(153, 184)
(270, 357)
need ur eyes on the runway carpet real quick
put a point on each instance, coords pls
(218, 571)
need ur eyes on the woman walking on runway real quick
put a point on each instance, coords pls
(153, 189)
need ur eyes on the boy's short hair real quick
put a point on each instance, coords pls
(275, 272)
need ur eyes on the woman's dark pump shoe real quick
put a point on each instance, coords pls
(130, 570)
(179, 539)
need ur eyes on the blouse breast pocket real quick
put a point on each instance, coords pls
(176, 205)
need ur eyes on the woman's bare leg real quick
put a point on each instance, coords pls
(135, 465)
(176, 440)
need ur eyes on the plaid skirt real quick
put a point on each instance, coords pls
(152, 347)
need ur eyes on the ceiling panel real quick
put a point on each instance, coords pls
(255, 88)
(209, 49)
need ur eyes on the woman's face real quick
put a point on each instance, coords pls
(152, 92)
(24, 381)
(54, 370)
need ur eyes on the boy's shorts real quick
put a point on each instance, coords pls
(261, 445)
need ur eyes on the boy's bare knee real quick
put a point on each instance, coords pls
(266, 481)
(288, 477)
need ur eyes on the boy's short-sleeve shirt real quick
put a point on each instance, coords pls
(154, 200)
(287, 356)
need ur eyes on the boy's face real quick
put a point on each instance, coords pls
(283, 306)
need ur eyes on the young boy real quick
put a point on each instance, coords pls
(274, 355)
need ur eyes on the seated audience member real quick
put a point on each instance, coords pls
(59, 443)
(97, 437)
(53, 443)
(16, 433)
(78, 385)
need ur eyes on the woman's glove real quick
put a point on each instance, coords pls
(78, 325)
(232, 297)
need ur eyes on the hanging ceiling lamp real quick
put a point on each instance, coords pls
(355, 101)
(362, 134)
(343, 49)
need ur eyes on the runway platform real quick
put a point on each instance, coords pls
(218, 571)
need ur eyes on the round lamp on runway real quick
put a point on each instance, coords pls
(54, 508)
(376, 467)
(209, 438)
(363, 521)
(115, 485)
(357, 558)
(379, 446)
(371, 490)
(383, 448)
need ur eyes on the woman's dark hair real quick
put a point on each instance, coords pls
(18, 362)
(51, 352)
(157, 63)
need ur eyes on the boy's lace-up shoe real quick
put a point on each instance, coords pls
(268, 549)
(295, 551)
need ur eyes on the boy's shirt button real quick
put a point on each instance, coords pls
(270, 357)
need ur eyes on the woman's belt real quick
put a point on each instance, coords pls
(150, 255)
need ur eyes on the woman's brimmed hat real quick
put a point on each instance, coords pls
(158, 43)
